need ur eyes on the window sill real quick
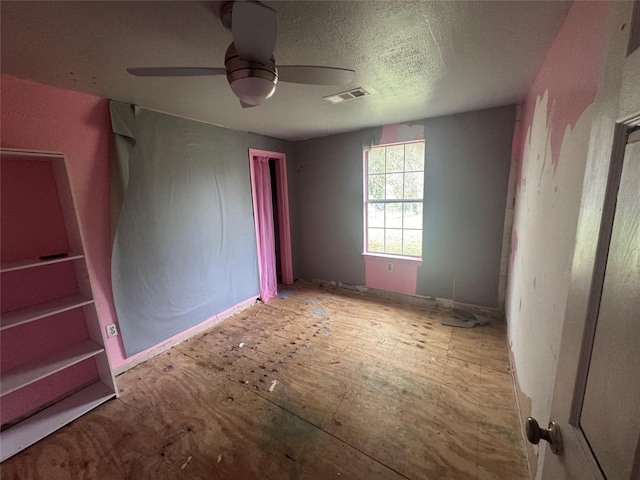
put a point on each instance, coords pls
(393, 257)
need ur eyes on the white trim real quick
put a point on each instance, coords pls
(390, 256)
(367, 201)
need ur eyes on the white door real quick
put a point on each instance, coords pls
(596, 401)
(610, 417)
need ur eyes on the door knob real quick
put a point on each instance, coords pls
(551, 435)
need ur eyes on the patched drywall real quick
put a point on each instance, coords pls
(552, 150)
(523, 404)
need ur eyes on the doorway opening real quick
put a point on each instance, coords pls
(274, 200)
(279, 206)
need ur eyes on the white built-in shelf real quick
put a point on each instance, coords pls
(54, 409)
(36, 262)
(43, 367)
(42, 310)
(47, 421)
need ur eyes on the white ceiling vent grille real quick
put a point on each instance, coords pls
(346, 96)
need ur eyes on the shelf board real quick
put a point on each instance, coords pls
(47, 421)
(36, 262)
(43, 367)
(42, 310)
(30, 154)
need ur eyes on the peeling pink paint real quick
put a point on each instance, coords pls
(401, 133)
(389, 134)
(550, 149)
(569, 73)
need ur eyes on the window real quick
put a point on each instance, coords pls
(393, 200)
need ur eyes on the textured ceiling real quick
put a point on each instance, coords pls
(423, 59)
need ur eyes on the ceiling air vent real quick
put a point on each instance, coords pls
(346, 96)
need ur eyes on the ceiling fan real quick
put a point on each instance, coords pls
(250, 68)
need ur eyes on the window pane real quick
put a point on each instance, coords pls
(393, 240)
(413, 215)
(414, 156)
(376, 187)
(413, 185)
(394, 215)
(395, 174)
(376, 215)
(376, 160)
(412, 242)
(395, 158)
(394, 186)
(376, 240)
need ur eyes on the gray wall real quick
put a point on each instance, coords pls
(185, 245)
(467, 169)
(184, 174)
(329, 182)
(467, 172)
(272, 144)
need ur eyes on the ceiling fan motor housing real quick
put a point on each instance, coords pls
(251, 82)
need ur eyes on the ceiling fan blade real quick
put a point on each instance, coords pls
(254, 27)
(314, 75)
(175, 71)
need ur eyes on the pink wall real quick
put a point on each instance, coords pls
(30, 398)
(58, 280)
(32, 225)
(550, 151)
(41, 117)
(44, 233)
(401, 279)
(569, 74)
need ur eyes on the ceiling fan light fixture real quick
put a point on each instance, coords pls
(252, 82)
(250, 68)
(253, 90)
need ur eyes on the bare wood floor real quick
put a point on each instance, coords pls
(367, 388)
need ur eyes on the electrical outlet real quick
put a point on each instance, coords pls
(389, 267)
(112, 330)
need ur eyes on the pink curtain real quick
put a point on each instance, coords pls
(265, 230)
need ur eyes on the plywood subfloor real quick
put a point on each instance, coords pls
(367, 388)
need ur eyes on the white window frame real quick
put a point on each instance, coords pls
(366, 203)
